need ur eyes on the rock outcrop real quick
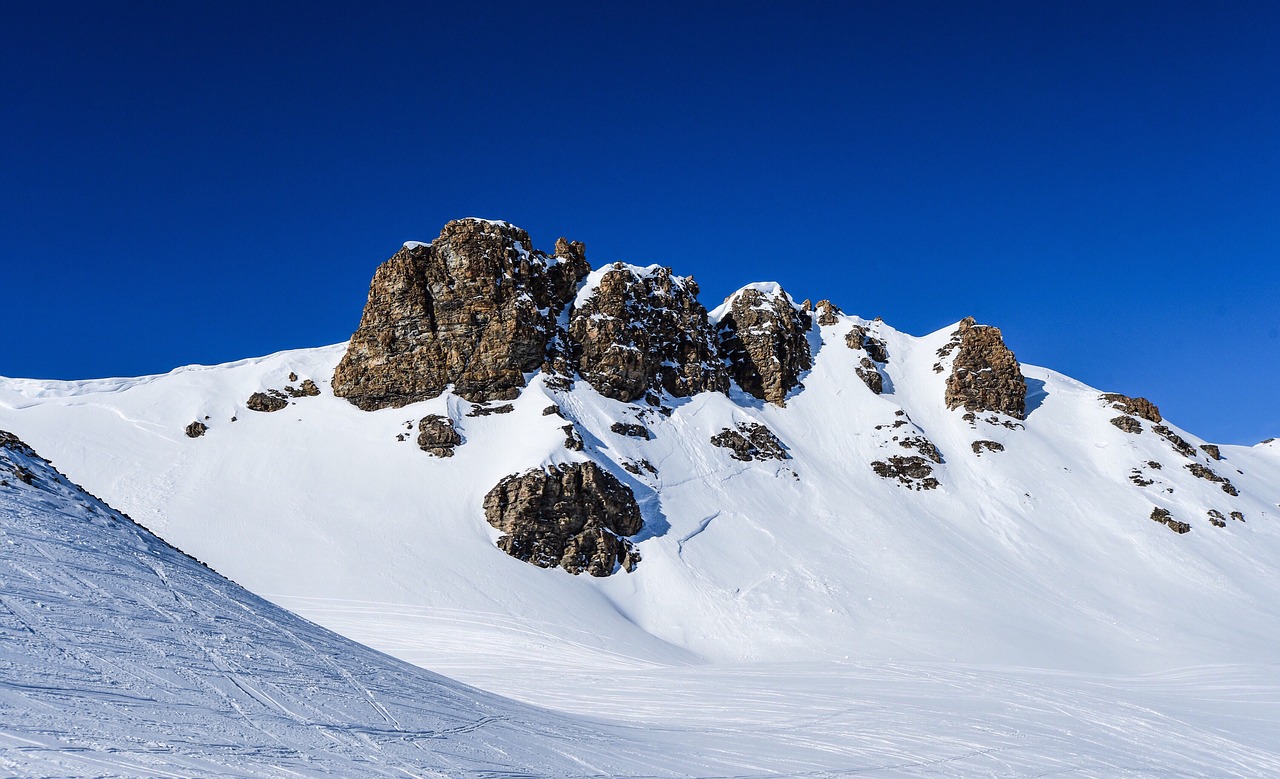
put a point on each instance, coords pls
(1138, 407)
(272, 400)
(764, 337)
(750, 441)
(575, 516)
(637, 331)
(914, 472)
(985, 376)
(1127, 423)
(476, 309)
(1164, 517)
(986, 446)
(437, 435)
(196, 429)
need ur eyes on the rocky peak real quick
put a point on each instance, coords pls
(636, 331)
(764, 337)
(476, 308)
(985, 376)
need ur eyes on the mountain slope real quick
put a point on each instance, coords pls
(121, 656)
(1043, 554)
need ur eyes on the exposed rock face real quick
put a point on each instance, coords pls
(267, 401)
(867, 370)
(196, 429)
(1178, 443)
(986, 446)
(870, 376)
(307, 390)
(437, 435)
(642, 330)
(475, 308)
(1212, 450)
(913, 472)
(985, 375)
(574, 516)
(764, 336)
(1139, 407)
(1165, 518)
(486, 410)
(1127, 424)
(922, 445)
(750, 441)
(1206, 473)
(572, 438)
(1216, 518)
(630, 429)
(828, 313)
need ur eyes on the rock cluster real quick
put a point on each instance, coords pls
(1139, 407)
(1206, 473)
(750, 441)
(1178, 443)
(575, 516)
(437, 435)
(630, 429)
(476, 309)
(985, 376)
(922, 445)
(271, 400)
(1212, 450)
(986, 446)
(868, 370)
(196, 429)
(764, 337)
(1165, 518)
(914, 471)
(640, 331)
(828, 313)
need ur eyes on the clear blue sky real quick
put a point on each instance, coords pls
(201, 182)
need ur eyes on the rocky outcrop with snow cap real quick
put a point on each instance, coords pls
(476, 309)
(985, 376)
(764, 338)
(635, 332)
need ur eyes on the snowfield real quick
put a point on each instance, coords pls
(803, 617)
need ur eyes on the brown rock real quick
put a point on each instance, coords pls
(630, 429)
(266, 402)
(486, 410)
(1165, 518)
(476, 308)
(1127, 424)
(1178, 443)
(1140, 407)
(986, 446)
(1216, 518)
(640, 333)
(572, 438)
(751, 441)
(922, 445)
(765, 339)
(437, 435)
(914, 472)
(870, 375)
(196, 429)
(574, 516)
(1212, 450)
(985, 376)
(828, 313)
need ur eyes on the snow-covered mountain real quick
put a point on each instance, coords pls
(812, 487)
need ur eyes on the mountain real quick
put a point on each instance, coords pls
(583, 489)
(123, 657)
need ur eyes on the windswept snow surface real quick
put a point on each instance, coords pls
(806, 605)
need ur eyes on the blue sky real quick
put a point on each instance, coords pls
(188, 182)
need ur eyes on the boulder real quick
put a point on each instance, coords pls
(575, 516)
(196, 429)
(985, 376)
(634, 332)
(1127, 423)
(1164, 517)
(267, 401)
(437, 435)
(476, 309)
(764, 337)
(914, 472)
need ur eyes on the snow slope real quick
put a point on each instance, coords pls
(122, 656)
(1041, 556)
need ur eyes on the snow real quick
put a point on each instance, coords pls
(809, 614)
(416, 244)
(589, 286)
(770, 290)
